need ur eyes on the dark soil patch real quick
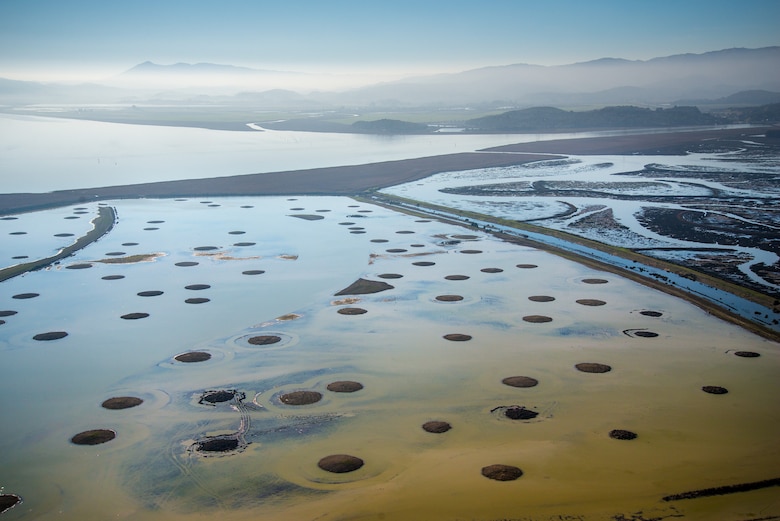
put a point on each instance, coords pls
(345, 386)
(7, 313)
(239, 244)
(236, 232)
(352, 311)
(253, 272)
(151, 293)
(518, 412)
(471, 252)
(714, 389)
(396, 250)
(264, 340)
(449, 298)
(197, 300)
(747, 354)
(593, 367)
(247, 206)
(651, 313)
(390, 276)
(24, 296)
(51, 335)
(121, 402)
(520, 381)
(300, 398)
(81, 266)
(115, 253)
(357, 232)
(63, 235)
(134, 316)
(297, 209)
(537, 319)
(217, 396)
(377, 240)
(155, 222)
(436, 427)
(8, 501)
(197, 287)
(365, 287)
(307, 216)
(186, 264)
(72, 217)
(340, 463)
(217, 445)
(527, 266)
(595, 281)
(620, 434)
(20, 257)
(491, 270)
(457, 277)
(113, 277)
(501, 472)
(423, 263)
(151, 228)
(541, 298)
(93, 437)
(129, 244)
(8, 218)
(645, 334)
(205, 248)
(457, 337)
(590, 302)
(356, 228)
(347, 223)
(192, 357)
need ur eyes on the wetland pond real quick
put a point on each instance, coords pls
(196, 362)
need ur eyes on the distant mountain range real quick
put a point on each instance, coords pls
(712, 78)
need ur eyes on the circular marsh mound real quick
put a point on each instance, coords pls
(449, 298)
(214, 397)
(344, 386)
(300, 398)
(25, 296)
(436, 427)
(196, 300)
(541, 298)
(714, 389)
(121, 402)
(352, 311)
(527, 266)
(457, 277)
(593, 367)
(747, 354)
(621, 434)
(264, 340)
(537, 319)
(134, 316)
(457, 337)
(340, 463)
(649, 313)
(51, 335)
(590, 302)
(518, 412)
(520, 381)
(595, 281)
(500, 472)
(192, 357)
(93, 437)
(491, 270)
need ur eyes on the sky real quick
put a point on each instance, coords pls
(95, 39)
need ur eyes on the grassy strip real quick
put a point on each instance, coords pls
(700, 302)
(101, 225)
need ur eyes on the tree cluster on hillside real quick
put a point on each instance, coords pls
(550, 118)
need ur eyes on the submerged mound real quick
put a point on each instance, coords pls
(457, 337)
(134, 316)
(390, 276)
(436, 427)
(352, 311)
(714, 389)
(457, 277)
(501, 472)
(518, 412)
(193, 356)
(121, 402)
(93, 437)
(51, 335)
(365, 287)
(344, 386)
(307, 216)
(264, 340)
(593, 367)
(620, 434)
(300, 398)
(520, 381)
(747, 354)
(541, 298)
(217, 444)
(537, 319)
(590, 302)
(449, 298)
(217, 396)
(595, 281)
(340, 463)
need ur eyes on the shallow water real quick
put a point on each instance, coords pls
(687, 439)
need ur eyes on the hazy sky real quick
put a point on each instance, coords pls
(104, 37)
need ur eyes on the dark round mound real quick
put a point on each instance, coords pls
(23, 296)
(246, 206)
(192, 356)
(645, 334)
(121, 402)
(537, 319)
(466, 237)
(81, 266)
(357, 228)
(365, 211)
(2, 322)
(714, 389)
(595, 281)
(297, 209)
(491, 270)
(347, 223)
(340, 463)
(593, 367)
(63, 235)
(541, 298)
(186, 264)
(244, 244)
(72, 217)
(129, 244)
(7, 313)
(449, 298)
(115, 253)
(423, 263)
(390, 276)
(217, 445)
(457, 337)
(436, 427)
(352, 311)
(405, 232)
(747, 354)
(236, 232)
(357, 232)
(590, 302)
(300, 398)
(9, 218)
(217, 396)
(620, 434)
(198, 300)
(501, 472)
(93, 437)
(205, 248)
(520, 381)
(457, 277)
(134, 316)
(471, 252)
(264, 340)
(518, 412)
(155, 222)
(396, 250)
(197, 287)
(51, 335)
(377, 240)
(651, 313)
(8, 501)
(214, 205)
(345, 386)
(151, 228)
(20, 257)
(113, 277)
(152, 293)
(253, 272)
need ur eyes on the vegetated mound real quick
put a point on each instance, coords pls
(51, 335)
(593, 367)
(390, 126)
(365, 287)
(518, 412)
(192, 357)
(217, 444)
(352, 311)
(219, 396)
(93, 437)
(449, 298)
(536, 319)
(747, 354)
(340, 463)
(121, 402)
(8, 501)
(307, 216)
(300, 398)
(134, 316)
(550, 118)
(264, 340)
(501, 472)
(436, 427)
(520, 381)
(714, 389)
(344, 386)
(457, 337)
(621, 434)
(590, 302)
